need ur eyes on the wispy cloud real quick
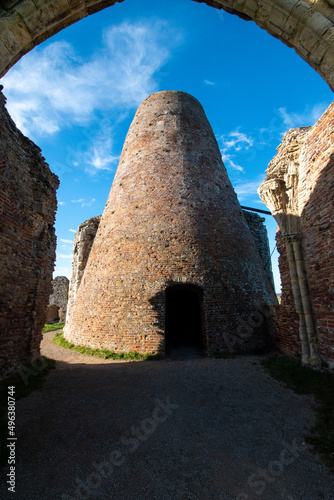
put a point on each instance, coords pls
(83, 203)
(98, 156)
(72, 230)
(88, 203)
(228, 161)
(207, 82)
(237, 140)
(248, 188)
(62, 203)
(304, 118)
(233, 143)
(66, 241)
(62, 270)
(64, 256)
(53, 87)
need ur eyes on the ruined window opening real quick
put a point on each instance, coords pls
(184, 318)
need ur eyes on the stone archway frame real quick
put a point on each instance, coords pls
(308, 27)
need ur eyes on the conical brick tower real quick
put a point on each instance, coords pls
(173, 260)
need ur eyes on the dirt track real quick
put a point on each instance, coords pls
(174, 429)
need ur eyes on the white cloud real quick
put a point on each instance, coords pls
(64, 256)
(305, 118)
(98, 156)
(233, 143)
(52, 87)
(72, 230)
(66, 241)
(83, 203)
(248, 188)
(62, 271)
(62, 203)
(227, 159)
(207, 82)
(237, 140)
(88, 203)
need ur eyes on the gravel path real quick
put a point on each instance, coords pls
(175, 429)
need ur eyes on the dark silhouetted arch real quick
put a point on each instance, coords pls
(184, 318)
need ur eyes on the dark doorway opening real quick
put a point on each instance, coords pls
(184, 319)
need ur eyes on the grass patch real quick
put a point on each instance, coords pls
(30, 377)
(52, 327)
(60, 340)
(303, 380)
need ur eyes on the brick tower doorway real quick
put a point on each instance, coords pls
(183, 321)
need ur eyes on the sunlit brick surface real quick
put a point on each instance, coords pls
(27, 244)
(304, 165)
(172, 217)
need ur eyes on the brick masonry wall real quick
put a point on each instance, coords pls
(316, 194)
(85, 235)
(172, 217)
(305, 163)
(59, 296)
(82, 245)
(27, 244)
(260, 236)
(287, 333)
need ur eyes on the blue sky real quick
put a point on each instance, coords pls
(76, 94)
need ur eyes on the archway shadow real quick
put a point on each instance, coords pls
(179, 318)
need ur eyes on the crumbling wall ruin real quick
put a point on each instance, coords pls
(299, 190)
(83, 241)
(260, 236)
(27, 242)
(58, 299)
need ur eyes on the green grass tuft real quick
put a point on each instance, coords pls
(60, 340)
(303, 380)
(52, 327)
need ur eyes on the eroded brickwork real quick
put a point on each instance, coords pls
(300, 192)
(59, 296)
(260, 236)
(27, 243)
(84, 238)
(172, 217)
(83, 241)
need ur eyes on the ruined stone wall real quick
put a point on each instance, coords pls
(299, 190)
(287, 333)
(83, 241)
(27, 243)
(59, 296)
(260, 236)
(172, 218)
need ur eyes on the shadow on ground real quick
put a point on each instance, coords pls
(192, 428)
